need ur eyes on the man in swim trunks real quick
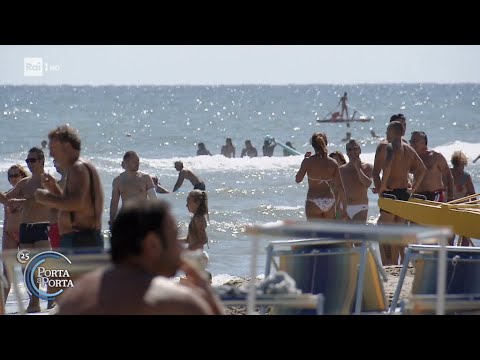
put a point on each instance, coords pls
(357, 178)
(80, 203)
(396, 159)
(34, 223)
(432, 186)
(183, 174)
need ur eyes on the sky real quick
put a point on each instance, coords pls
(237, 64)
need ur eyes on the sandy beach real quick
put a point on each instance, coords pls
(390, 286)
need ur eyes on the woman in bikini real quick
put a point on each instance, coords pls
(462, 183)
(323, 174)
(11, 223)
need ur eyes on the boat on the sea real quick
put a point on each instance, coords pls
(461, 215)
(336, 117)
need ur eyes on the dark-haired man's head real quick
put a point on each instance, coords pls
(395, 130)
(419, 141)
(402, 119)
(65, 145)
(144, 234)
(35, 160)
(178, 165)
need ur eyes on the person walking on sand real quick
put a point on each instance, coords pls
(323, 173)
(131, 184)
(438, 178)
(357, 178)
(396, 160)
(145, 254)
(189, 175)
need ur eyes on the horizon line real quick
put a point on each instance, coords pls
(253, 84)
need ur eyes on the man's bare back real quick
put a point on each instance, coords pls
(104, 293)
(87, 215)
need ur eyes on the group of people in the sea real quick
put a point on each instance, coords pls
(228, 150)
(337, 189)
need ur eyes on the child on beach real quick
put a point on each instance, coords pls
(197, 238)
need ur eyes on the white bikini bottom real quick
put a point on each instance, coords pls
(324, 204)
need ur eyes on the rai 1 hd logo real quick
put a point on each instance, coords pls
(46, 269)
(37, 66)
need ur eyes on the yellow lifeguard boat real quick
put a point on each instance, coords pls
(462, 215)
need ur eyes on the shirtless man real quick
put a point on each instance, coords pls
(34, 223)
(80, 203)
(438, 171)
(145, 254)
(189, 175)
(130, 185)
(357, 178)
(397, 160)
(53, 232)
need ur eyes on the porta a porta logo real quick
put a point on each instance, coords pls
(49, 274)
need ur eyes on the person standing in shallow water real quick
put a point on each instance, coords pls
(228, 150)
(132, 184)
(249, 150)
(197, 238)
(285, 151)
(189, 175)
(202, 150)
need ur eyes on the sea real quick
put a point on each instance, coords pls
(165, 123)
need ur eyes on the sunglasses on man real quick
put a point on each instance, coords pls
(30, 160)
(13, 175)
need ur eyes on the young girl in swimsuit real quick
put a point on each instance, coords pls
(197, 238)
(322, 172)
